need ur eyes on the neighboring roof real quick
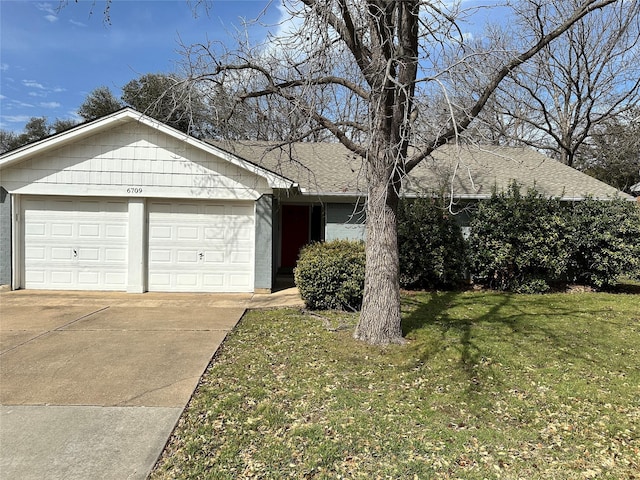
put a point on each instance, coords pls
(331, 169)
(130, 115)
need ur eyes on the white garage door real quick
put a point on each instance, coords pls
(75, 243)
(201, 246)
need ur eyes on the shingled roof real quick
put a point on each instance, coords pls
(331, 169)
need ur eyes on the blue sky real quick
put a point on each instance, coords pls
(51, 58)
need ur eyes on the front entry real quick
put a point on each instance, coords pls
(295, 233)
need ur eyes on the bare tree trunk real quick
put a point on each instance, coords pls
(380, 321)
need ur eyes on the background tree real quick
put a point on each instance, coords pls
(170, 99)
(613, 152)
(7, 140)
(362, 71)
(35, 129)
(583, 80)
(99, 102)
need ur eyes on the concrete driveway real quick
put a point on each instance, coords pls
(92, 384)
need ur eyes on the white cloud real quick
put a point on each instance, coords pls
(4, 67)
(40, 90)
(33, 84)
(16, 118)
(46, 7)
(77, 24)
(51, 12)
(19, 104)
(50, 105)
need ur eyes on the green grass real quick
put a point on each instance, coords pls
(489, 386)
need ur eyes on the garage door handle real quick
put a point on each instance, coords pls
(75, 253)
(201, 255)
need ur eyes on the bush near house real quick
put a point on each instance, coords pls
(331, 275)
(519, 242)
(605, 242)
(431, 247)
(523, 243)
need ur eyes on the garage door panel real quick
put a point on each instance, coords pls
(239, 280)
(214, 257)
(195, 246)
(187, 256)
(187, 233)
(115, 255)
(75, 244)
(89, 230)
(213, 281)
(160, 280)
(63, 230)
(61, 278)
(36, 253)
(35, 229)
(214, 233)
(61, 254)
(89, 254)
(88, 278)
(115, 231)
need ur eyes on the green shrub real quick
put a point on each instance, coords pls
(431, 246)
(331, 275)
(519, 242)
(605, 242)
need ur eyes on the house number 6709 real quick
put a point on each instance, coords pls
(134, 190)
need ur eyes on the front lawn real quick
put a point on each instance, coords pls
(489, 386)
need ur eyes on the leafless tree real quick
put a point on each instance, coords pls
(584, 79)
(363, 71)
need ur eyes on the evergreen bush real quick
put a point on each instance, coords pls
(605, 243)
(523, 243)
(431, 247)
(519, 242)
(331, 275)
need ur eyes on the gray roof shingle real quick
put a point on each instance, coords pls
(331, 169)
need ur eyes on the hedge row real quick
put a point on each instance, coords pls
(519, 242)
(525, 243)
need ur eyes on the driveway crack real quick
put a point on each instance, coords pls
(57, 329)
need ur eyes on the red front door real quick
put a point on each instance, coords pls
(295, 233)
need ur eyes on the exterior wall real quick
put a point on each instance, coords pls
(5, 237)
(345, 221)
(264, 220)
(137, 163)
(133, 160)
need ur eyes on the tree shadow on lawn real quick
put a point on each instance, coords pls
(481, 326)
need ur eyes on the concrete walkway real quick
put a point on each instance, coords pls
(92, 384)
